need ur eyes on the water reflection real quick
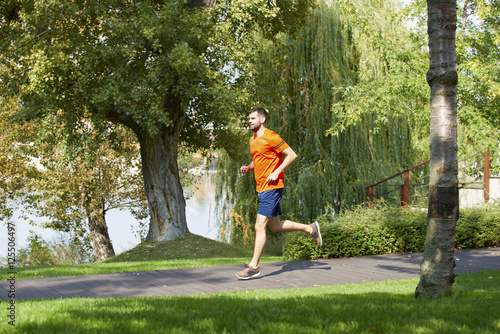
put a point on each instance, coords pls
(200, 208)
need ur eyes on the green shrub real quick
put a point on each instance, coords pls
(36, 254)
(478, 227)
(386, 229)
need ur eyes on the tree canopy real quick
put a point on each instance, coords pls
(164, 69)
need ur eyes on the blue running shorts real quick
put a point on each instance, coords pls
(269, 202)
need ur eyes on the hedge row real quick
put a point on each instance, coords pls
(386, 230)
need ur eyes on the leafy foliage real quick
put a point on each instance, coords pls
(478, 54)
(478, 227)
(391, 70)
(168, 70)
(132, 61)
(67, 191)
(372, 79)
(16, 168)
(62, 251)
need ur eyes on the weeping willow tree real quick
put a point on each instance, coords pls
(307, 83)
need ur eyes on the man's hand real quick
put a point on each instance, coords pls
(246, 169)
(290, 157)
(273, 176)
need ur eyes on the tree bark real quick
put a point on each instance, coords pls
(96, 212)
(167, 205)
(103, 248)
(162, 182)
(436, 271)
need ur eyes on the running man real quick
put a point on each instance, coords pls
(267, 148)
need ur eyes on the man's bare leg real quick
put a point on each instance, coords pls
(276, 225)
(260, 239)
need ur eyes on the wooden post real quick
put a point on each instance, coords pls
(405, 190)
(486, 176)
(370, 196)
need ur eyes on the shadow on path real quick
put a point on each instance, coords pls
(300, 265)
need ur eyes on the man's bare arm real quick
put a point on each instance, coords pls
(290, 157)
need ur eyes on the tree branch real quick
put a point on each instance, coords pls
(201, 3)
(114, 115)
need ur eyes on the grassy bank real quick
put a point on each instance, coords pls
(187, 251)
(379, 307)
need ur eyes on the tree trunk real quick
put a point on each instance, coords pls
(166, 202)
(161, 180)
(436, 271)
(103, 248)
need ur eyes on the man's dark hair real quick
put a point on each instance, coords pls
(261, 111)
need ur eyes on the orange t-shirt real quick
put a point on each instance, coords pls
(266, 155)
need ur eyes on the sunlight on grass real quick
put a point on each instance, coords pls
(377, 307)
(118, 267)
(187, 251)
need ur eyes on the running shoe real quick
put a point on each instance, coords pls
(316, 234)
(248, 272)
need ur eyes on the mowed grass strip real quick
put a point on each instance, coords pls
(378, 307)
(187, 251)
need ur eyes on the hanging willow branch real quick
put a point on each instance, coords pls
(297, 80)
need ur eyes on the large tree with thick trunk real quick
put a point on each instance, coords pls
(163, 68)
(437, 276)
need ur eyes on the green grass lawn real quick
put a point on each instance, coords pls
(187, 251)
(378, 307)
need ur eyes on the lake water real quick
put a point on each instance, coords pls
(200, 211)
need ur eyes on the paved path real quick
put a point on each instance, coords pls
(277, 275)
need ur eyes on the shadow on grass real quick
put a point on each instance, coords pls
(382, 307)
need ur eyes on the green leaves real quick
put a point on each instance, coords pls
(478, 55)
(392, 67)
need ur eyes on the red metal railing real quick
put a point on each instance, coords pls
(405, 187)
